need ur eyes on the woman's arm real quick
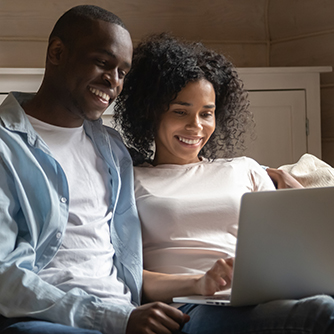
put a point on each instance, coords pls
(283, 179)
(163, 287)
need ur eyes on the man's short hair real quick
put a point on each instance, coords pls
(77, 21)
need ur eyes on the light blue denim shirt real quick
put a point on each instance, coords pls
(33, 216)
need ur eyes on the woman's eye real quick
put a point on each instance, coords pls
(179, 112)
(207, 114)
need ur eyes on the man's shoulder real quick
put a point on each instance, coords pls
(111, 137)
(113, 132)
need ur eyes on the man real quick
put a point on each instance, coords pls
(70, 242)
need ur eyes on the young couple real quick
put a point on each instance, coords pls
(70, 237)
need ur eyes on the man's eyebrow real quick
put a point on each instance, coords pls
(112, 55)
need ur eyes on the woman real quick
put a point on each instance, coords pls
(182, 107)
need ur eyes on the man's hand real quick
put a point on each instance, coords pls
(218, 278)
(156, 318)
(282, 179)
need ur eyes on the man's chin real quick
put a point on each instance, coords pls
(93, 115)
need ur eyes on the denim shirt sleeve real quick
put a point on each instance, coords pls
(33, 217)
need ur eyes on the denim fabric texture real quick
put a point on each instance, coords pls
(34, 201)
(313, 315)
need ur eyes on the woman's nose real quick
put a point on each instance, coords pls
(194, 123)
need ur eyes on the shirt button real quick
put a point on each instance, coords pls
(63, 200)
(58, 235)
(35, 269)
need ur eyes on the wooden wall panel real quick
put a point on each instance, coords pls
(32, 54)
(327, 114)
(327, 124)
(22, 54)
(309, 51)
(196, 19)
(243, 55)
(328, 151)
(235, 28)
(288, 18)
(30, 18)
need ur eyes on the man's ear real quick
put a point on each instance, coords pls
(56, 49)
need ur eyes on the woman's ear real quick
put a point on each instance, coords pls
(55, 51)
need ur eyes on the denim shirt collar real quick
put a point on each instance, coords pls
(18, 120)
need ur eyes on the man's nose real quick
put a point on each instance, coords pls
(112, 78)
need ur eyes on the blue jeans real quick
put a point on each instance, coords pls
(33, 326)
(314, 315)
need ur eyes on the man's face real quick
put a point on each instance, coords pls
(93, 70)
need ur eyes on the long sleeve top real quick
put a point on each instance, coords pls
(34, 201)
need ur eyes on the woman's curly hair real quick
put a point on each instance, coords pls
(163, 65)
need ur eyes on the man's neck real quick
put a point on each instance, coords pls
(49, 110)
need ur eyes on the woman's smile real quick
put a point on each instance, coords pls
(188, 141)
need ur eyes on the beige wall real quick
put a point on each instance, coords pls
(250, 32)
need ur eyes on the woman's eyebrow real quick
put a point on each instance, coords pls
(209, 106)
(187, 104)
(182, 103)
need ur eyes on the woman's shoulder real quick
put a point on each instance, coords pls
(241, 161)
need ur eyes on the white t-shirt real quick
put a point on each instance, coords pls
(189, 213)
(85, 258)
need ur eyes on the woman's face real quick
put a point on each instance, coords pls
(187, 125)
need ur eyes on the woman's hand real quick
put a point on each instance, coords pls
(218, 278)
(282, 179)
(163, 287)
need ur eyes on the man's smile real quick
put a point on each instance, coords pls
(100, 94)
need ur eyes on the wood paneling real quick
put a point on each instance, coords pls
(328, 151)
(299, 32)
(220, 24)
(195, 19)
(291, 18)
(311, 51)
(327, 114)
(32, 54)
(30, 18)
(22, 54)
(242, 55)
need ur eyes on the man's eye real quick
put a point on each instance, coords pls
(121, 74)
(101, 62)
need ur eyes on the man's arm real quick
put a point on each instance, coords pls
(27, 240)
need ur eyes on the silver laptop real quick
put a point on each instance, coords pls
(285, 248)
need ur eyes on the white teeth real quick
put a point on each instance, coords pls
(97, 92)
(189, 141)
